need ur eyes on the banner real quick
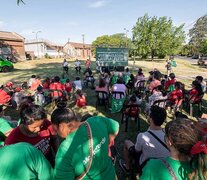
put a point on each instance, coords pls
(112, 56)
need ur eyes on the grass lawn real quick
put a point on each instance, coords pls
(185, 72)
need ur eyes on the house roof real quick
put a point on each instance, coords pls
(79, 45)
(4, 35)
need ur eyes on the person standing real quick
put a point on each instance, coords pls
(84, 152)
(88, 64)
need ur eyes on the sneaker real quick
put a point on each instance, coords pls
(123, 167)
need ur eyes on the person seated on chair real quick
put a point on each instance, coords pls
(140, 76)
(102, 86)
(188, 153)
(30, 81)
(147, 144)
(77, 84)
(175, 95)
(56, 88)
(159, 94)
(193, 94)
(77, 66)
(80, 99)
(119, 87)
(36, 83)
(88, 78)
(5, 95)
(171, 82)
(155, 82)
(199, 79)
(134, 110)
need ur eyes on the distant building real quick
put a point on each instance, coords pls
(12, 45)
(78, 50)
(43, 47)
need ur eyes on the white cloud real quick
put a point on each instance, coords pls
(97, 4)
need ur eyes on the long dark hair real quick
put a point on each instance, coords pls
(63, 115)
(31, 113)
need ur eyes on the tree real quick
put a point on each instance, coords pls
(157, 36)
(20, 1)
(116, 41)
(203, 48)
(198, 34)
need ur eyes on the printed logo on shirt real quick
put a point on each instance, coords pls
(43, 145)
(95, 151)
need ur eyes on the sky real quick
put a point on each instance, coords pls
(63, 20)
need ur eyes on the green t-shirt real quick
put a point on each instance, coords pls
(156, 170)
(5, 127)
(72, 156)
(23, 161)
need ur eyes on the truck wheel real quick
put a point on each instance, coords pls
(5, 69)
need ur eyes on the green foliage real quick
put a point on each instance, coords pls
(116, 41)
(157, 36)
(198, 33)
(47, 56)
(187, 49)
(203, 47)
(20, 1)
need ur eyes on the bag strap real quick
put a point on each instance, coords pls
(169, 168)
(158, 140)
(90, 140)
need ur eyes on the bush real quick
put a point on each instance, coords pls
(47, 56)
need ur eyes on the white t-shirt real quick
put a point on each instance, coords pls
(77, 63)
(65, 64)
(151, 147)
(78, 84)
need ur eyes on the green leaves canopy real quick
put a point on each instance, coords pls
(116, 40)
(157, 36)
(198, 33)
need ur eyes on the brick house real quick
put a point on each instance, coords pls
(78, 50)
(12, 45)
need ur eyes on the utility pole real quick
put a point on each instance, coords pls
(36, 33)
(83, 38)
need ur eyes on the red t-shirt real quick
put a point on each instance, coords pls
(46, 85)
(4, 97)
(81, 101)
(193, 96)
(168, 83)
(68, 87)
(42, 141)
(35, 84)
(175, 95)
(57, 86)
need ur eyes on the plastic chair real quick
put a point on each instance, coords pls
(102, 98)
(130, 111)
(140, 86)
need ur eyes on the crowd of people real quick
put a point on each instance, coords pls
(65, 146)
